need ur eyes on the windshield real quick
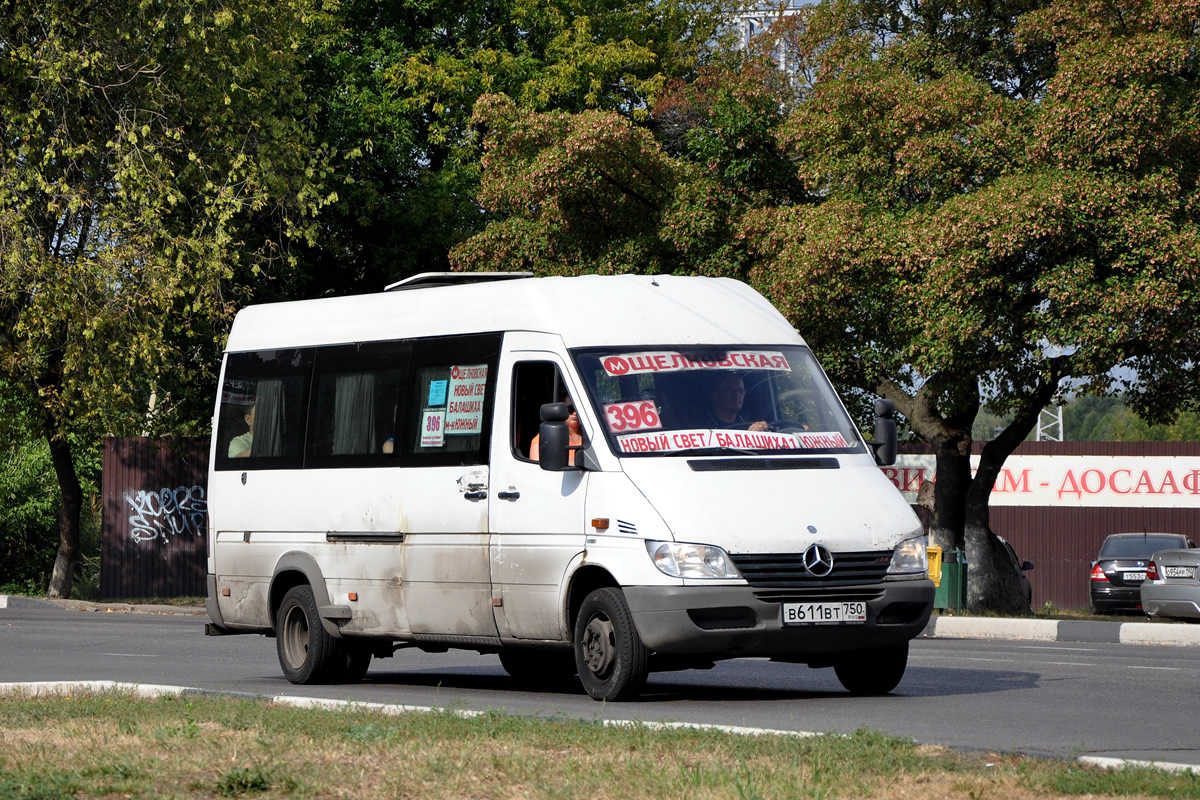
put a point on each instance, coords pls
(665, 400)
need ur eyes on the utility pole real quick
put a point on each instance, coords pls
(1050, 425)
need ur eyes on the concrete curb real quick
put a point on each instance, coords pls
(1049, 630)
(16, 601)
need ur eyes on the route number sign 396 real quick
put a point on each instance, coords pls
(639, 415)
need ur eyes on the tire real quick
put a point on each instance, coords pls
(528, 665)
(612, 661)
(307, 653)
(873, 672)
(356, 662)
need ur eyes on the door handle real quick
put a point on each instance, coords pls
(475, 495)
(513, 495)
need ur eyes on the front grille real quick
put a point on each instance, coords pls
(786, 570)
(815, 595)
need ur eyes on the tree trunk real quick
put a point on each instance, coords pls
(67, 559)
(950, 435)
(949, 492)
(993, 580)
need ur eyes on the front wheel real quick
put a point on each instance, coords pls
(875, 671)
(307, 653)
(612, 661)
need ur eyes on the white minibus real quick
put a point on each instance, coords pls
(602, 476)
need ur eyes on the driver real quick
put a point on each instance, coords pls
(725, 404)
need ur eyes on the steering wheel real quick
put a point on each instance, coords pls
(787, 425)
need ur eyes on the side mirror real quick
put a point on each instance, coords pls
(885, 444)
(554, 439)
(1026, 566)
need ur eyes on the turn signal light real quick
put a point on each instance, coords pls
(1152, 571)
(1098, 574)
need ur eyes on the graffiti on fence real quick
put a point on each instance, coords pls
(167, 513)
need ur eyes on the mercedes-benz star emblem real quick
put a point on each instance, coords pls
(818, 561)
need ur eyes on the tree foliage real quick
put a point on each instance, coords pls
(958, 202)
(138, 142)
(397, 84)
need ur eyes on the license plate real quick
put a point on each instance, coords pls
(1134, 577)
(1179, 572)
(852, 612)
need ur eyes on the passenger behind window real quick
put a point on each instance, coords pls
(574, 430)
(239, 446)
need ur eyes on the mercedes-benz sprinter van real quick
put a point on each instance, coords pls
(602, 476)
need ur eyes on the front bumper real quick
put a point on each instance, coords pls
(732, 622)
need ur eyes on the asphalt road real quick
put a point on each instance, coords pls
(1062, 699)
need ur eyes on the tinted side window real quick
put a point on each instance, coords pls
(448, 416)
(357, 390)
(264, 400)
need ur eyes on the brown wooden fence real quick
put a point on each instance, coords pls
(154, 541)
(1061, 531)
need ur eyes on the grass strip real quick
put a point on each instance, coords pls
(112, 744)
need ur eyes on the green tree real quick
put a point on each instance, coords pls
(397, 85)
(997, 242)
(985, 199)
(144, 150)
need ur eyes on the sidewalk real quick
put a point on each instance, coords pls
(17, 601)
(939, 627)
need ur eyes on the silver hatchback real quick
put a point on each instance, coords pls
(1172, 586)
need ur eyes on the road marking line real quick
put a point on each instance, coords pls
(1059, 649)
(130, 655)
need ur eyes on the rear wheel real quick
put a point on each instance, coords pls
(875, 671)
(307, 653)
(357, 661)
(612, 661)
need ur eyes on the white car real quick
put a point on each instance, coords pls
(1172, 586)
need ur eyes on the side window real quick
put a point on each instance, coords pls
(534, 383)
(260, 423)
(356, 397)
(447, 419)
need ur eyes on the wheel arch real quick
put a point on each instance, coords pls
(293, 569)
(585, 580)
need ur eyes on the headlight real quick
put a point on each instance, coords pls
(691, 560)
(909, 557)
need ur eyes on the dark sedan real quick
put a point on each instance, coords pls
(1120, 569)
